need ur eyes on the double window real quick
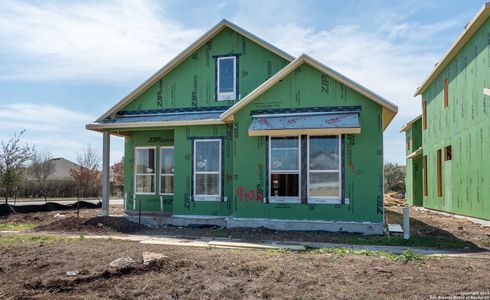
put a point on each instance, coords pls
(323, 169)
(226, 79)
(207, 170)
(145, 170)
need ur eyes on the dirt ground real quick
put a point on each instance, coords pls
(425, 227)
(430, 224)
(35, 269)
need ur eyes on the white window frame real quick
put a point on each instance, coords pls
(324, 199)
(154, 169)
(165, 174)
(284, 199)
(207, 197)
(227, 95)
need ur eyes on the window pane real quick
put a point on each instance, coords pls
(324, 153)
(226, 74)
(284, 185)
(166, 184)
(167, 161)
(145, 161)
(284, 154)
(324, 184)
(145, 184)
(207, 156)
(207, 184)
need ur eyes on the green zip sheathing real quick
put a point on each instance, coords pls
(306, 87)
(192, 82)
(414, 167)
(465, 126)
(245, 158)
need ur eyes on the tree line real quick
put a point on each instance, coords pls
(24, 172)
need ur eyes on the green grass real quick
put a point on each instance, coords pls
(17, 226)
(18, 239)
(414, 241)
(406, 256)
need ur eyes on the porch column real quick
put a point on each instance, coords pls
(106, 145)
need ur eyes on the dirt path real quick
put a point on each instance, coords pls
(38, 269)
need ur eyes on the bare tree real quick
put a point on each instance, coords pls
(13, 157)
(87, 174)
(117, 173)
(41, 167)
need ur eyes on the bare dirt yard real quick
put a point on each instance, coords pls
(37, 268)
(33, 265)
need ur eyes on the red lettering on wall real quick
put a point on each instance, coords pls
(251, 195)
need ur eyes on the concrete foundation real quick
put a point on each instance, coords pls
(291, 225)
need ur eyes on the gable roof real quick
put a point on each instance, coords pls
(389, 109)
(185, 54)
(469, 30)
(410, 123)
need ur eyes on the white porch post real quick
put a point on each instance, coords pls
(106, 145)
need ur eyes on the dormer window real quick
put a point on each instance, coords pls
(226, 81)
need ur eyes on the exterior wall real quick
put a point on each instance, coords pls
(192, 82)
(149, 203)
(362, 153)
(465, 125)
(414, 171)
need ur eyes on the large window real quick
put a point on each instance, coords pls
(207, 170)
(166, 170)
(324, 169)
(284, 165)
(226, 78)
(144, 170)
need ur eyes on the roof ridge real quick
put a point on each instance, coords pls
(186, 53)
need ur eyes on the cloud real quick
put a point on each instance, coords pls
(52, 128)
(110, 41)
(382, 47)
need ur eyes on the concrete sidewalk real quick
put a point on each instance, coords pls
(241, 244)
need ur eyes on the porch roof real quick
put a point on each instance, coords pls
(326, 122)
(160, 119)
(416, 153)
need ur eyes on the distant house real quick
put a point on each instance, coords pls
(447, 146)
(60, 172)
(235, 132)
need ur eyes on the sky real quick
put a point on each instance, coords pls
(64, 63)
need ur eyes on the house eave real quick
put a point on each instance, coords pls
(389, 109)
(104, 126)
(470, 29)
(410, 123)
(185, 54)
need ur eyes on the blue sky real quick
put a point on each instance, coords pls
(62, 64)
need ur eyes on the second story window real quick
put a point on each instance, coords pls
(226, 81)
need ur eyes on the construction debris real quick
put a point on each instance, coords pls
(395, 199)
(149, 257)
(122, 262)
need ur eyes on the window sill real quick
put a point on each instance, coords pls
(151, 193)
(166, 194)
(207, 199)
(284, 200)
(326, 201)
